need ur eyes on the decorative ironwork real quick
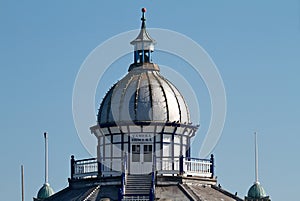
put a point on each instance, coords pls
(85, 168)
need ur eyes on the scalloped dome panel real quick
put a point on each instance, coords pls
(256, 191)
(143, 95)
(45, 192)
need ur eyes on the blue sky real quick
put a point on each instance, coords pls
(255, 45)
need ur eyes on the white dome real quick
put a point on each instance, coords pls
(143, 95)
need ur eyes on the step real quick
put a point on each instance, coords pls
(138, 184)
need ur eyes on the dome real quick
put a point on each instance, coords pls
(45, 192)
(143, 95)
(256, 191)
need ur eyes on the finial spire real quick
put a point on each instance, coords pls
(256, 157)
(46, 157)
(143, 18)
(143, 44)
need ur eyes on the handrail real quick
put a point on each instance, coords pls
(87, 159)
(153, 174)
(124, 177)
(192, 158)
(124, 172)
(84, 168)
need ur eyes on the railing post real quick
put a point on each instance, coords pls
(123, 181)
(151, 196)
(154, 163)
(124, 166)
(72, 166)
(99, 167)
(212, 166)
(181, 165)
(120, 194)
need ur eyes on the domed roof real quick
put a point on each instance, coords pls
(256, 191)
(143, 95)
(45, 192)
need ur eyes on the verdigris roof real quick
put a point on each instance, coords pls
(256, 191)
(45, 192)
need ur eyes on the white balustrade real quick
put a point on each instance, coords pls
(191, 166)
(197, 167)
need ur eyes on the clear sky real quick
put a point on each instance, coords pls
(255, 45)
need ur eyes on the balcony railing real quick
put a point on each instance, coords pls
(197, 167)
(90, 168)
(186, 166)
(86, 168)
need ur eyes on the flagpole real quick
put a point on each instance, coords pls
(22, 181)
(256, 158)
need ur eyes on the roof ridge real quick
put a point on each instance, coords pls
(226, 193)
(92, 193)
(188, 191)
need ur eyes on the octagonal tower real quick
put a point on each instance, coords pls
(143, 117)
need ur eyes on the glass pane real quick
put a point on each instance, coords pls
(104, 131)
(135, 129)
(107, 139)
(115, 129)
(136, 153)
(167, 138)
(177, 139)
(117, 138)
(117, 150)
(180, 130)
(176, 150)
(148, 129)
(147, 153)
(184, 140)
(157, 146)
(107, 150)
(167, 150)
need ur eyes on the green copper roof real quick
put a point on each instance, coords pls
(256, 191)
(45, 192)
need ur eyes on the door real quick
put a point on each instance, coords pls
(141, 159)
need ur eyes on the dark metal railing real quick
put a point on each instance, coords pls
(153, 175)
(123, 178)
(85, 168)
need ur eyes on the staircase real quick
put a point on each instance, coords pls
(138, 185)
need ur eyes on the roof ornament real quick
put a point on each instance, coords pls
(143, 18)
(256, 191)
(143, 44)
(256, 158)
(45, 191)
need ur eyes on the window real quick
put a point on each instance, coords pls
(136, 151)
(147, 153)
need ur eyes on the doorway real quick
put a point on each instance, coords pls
(141, 158)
